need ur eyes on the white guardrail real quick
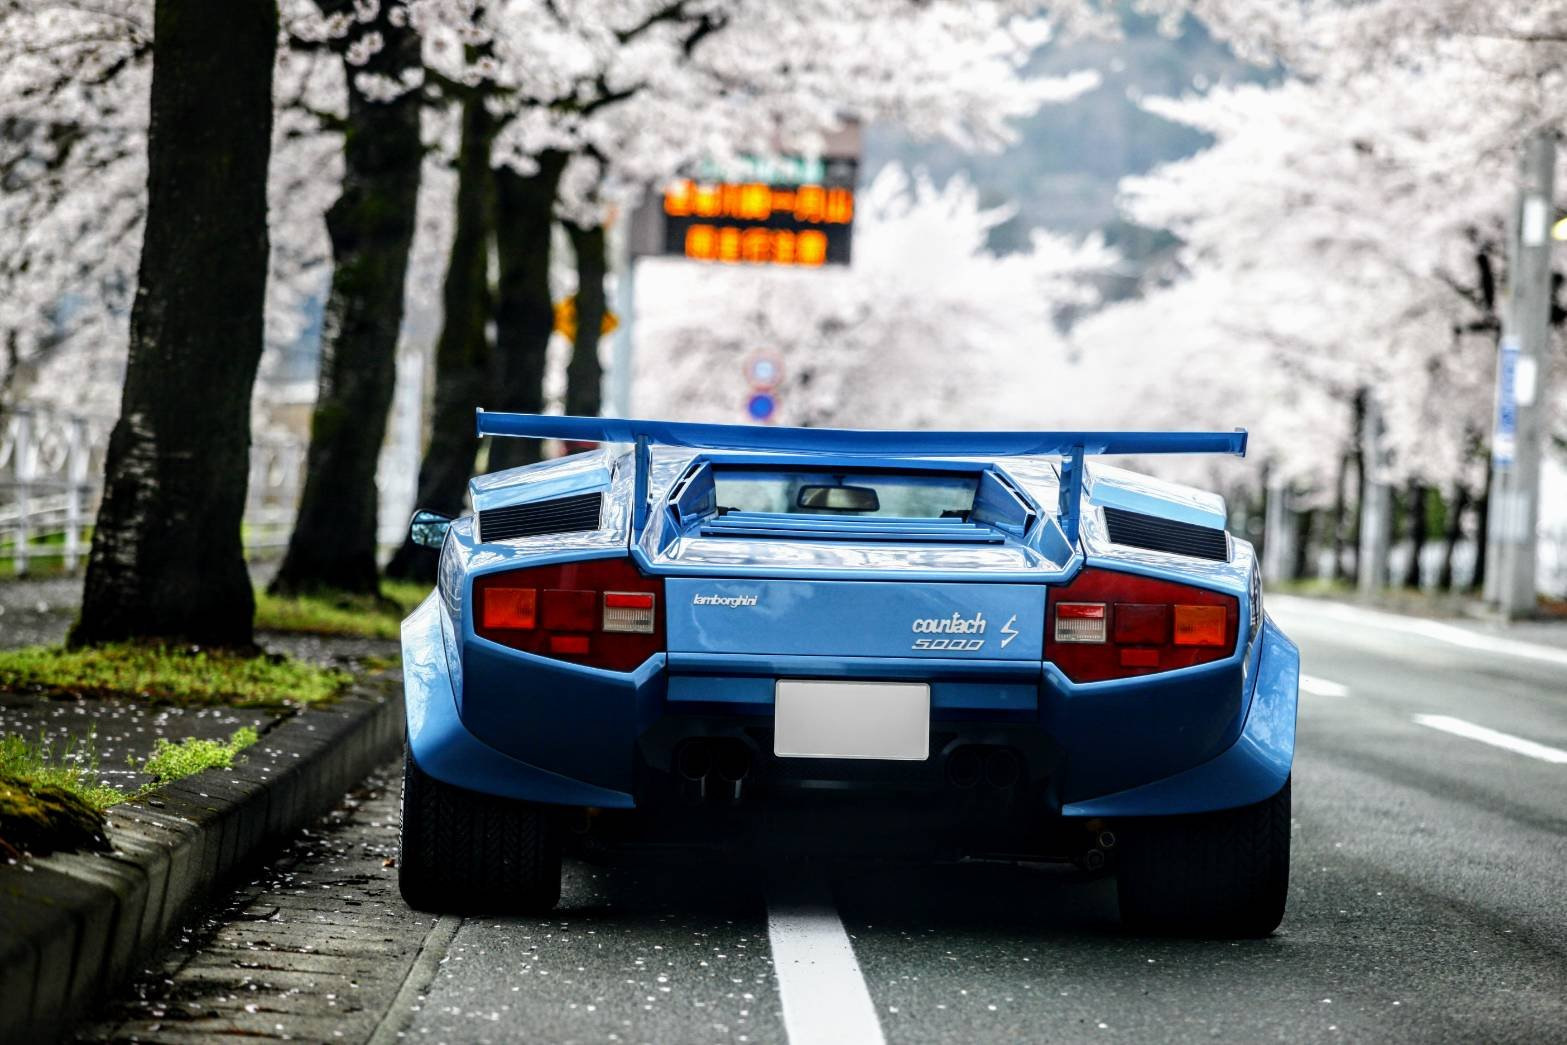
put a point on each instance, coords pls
(51, 478)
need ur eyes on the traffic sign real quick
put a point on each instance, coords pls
(566, 318)
(763, 371)
(760, 406)
(1504, 435)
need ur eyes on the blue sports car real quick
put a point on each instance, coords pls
(938, 645)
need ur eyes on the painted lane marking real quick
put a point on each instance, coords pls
(820, 987)
(1459, 728)
(1322, 687)
(1427, 628)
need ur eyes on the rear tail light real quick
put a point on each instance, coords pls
(510, 608)
(1107, 625)
(602, 613)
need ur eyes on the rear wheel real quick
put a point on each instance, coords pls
(463, 851)
(1212, 874)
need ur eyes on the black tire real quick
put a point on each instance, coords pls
(463, 852)
(1214, 874)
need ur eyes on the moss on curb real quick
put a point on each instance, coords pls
(185, 676)
(171, 761)
(43, 818)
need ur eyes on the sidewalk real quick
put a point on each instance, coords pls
(75, 925)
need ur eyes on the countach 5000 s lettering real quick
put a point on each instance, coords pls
(928, 645)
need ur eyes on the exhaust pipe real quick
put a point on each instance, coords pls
(1001, 768)
(733, 765)
(964, 767)
(693, 763)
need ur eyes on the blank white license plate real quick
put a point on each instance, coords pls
(832, 719)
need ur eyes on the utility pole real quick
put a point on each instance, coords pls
(1518, 432)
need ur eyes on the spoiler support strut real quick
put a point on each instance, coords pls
(1072, 447)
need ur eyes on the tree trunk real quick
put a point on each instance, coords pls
(524, 311)
(1265, 494)
(463, 356)
(1418, 521)
(1340, 509)
(584, 374)
(1452, 534)
(1483, 527)
(1301, 569)
(167, 561)
(1357, 454)
(371, 225)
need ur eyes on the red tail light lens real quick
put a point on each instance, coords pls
(510, 608)
(1108, 625)
(602, 613)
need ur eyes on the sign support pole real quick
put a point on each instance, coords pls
(622, 352)
(1518, 434)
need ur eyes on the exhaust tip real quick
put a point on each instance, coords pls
(1001, 768)
(733, 762)
(694, 760)
(964, 767)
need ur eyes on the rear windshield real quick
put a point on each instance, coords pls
(857, 494)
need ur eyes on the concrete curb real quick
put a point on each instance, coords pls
(74, 926)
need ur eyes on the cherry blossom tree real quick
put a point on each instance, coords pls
(634, 91)
(1368, 189)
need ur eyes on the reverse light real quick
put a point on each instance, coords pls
(1080, 622)
(602, 612)
(628, 611)
(1106, 625)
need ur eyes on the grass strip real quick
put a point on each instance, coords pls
(339, 613)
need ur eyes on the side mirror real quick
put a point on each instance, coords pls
(428, 529)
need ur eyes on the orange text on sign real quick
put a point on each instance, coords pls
(754, 201)
(756, 245)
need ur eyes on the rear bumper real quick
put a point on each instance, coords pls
(1195, 740)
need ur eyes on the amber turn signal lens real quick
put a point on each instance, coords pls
(510, 608)
(1201, 626)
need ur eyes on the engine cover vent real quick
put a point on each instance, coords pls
(1167, 535)
(561, 515)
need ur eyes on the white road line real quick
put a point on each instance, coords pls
(823, 994)
(1322, 687)
(1458, 727)
(1430, 629)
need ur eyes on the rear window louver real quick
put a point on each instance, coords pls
(561, 515)
(791, 526)
(1166, 535)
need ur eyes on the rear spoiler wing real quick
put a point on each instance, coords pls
(1072, 447)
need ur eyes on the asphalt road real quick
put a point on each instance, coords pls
(1428, 903)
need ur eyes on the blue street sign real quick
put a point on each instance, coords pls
(1504, 436)
(761, 406)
